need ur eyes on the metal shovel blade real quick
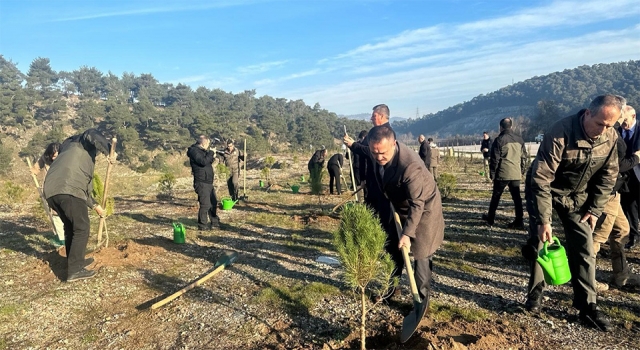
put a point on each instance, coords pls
(412, 320)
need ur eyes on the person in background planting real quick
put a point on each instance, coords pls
(201, 160)
(317, 161)
(574, 173)
(49, 155)
(404, 180)
(373, 195)
(334, 166)
(68, 187)
(232, 159)
(359, 163)
(507, 164)
(485, 147)
(613, 225)
(435, 158)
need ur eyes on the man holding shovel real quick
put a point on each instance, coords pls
(201, 160)
(412, 191)
(68, 187)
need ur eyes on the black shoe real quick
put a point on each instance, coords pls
(215, 224)
(631, 243)
(534, 300)
(591, 316)
(88, 261)
(517, 224)
(81, 275)
(485, 217)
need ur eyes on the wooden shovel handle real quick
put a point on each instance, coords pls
(106, 189)
(407, 260)
(187, 288)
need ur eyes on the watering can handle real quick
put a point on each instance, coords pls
(546, 244)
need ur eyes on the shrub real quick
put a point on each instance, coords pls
(446, 184)
(143, 168)
(14, 192)
(316, 179)
(360, 242)
(166, 185)
(265, 173)
(222, 171)
(5, 159)
(159, 162)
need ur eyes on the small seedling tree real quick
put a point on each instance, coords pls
(446, 184)
(266, 171)
(316, 179)
(368, 267)
(98, 194)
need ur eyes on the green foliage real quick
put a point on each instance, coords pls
(269, 161)
(13, 193)
(143, 168)
(265, 173)
(296, 298)
(571, 90)
(222, 171)
(360, 242)
(98, 194)
(315, 179)
(447, 183)
(5, 159)
(166, 185)
(159, 162)
(39, 142)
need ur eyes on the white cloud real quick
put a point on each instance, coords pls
(261, 67)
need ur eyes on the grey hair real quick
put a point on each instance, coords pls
(382, 109)
(606, 100)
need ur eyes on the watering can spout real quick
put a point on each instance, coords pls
(547, 265)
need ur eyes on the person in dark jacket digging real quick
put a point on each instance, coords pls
(411, 189)
(201, 160)
(334, 167)
(67, 187)
(507, 164)
(316, 163)
(373, 195)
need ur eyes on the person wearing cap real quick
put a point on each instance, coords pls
(232, 159)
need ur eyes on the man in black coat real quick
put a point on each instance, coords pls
(630, 131)
(485, 147)
(334, 166)
(425, 151)
(68, 187)
(359, 163)
(201, 160)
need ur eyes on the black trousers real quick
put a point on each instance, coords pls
(422, 268)
(74, 214)
(208, 204)
(232, 184)
(629, 202)
(334, 176)
(498, 189)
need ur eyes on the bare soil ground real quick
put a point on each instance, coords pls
(276, 296)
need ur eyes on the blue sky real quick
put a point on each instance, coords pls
(346, 55)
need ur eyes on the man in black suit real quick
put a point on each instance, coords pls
(412, 191)
(425, 151)
(630, 131)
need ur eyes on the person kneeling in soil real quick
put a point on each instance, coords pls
(68, 187)
(411, 189)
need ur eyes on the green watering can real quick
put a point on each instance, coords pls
(178, 233)
(554, 263)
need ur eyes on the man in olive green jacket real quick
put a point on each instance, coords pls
(578, 154)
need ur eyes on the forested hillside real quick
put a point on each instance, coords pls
(561, 93)
(146, 114)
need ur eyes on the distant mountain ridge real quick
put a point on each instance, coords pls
(571, 89)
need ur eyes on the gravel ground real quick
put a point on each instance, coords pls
(275, 295)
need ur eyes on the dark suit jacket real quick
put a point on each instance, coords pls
(415, 197)
(425, 153)
(633, 146)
